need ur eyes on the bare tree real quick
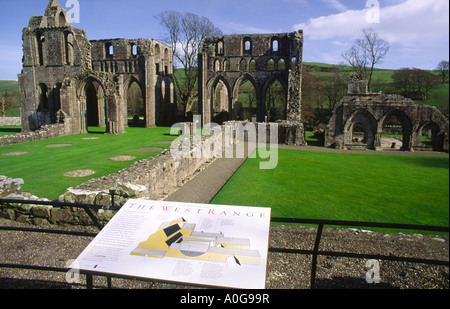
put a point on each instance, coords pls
(443, 70)
(366, 53)
(184, 33)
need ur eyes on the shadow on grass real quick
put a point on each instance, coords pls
(433, 162)
(10, 130)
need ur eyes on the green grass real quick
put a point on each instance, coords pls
(42, 168)
(336, 186)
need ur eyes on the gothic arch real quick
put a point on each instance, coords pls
(406, 123)
(363, 120)
(217, 114)
(265, 91)
(127, 84)
(92, 95)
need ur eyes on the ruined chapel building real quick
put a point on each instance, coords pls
(360, 119)
(68, 79)
(259, 61)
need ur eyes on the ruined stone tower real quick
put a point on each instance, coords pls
(262, 59)
(68, 79)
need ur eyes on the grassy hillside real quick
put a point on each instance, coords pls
(8, 85)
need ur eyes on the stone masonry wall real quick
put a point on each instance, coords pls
(10, 121)
(49, 131)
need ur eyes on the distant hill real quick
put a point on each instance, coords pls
(8, 85)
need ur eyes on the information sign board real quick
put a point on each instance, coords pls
(213, 245)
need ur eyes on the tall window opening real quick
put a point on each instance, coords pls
(247, 46)
(109, 50)
(276, 102)
(275, 46)
(69, 48)
(134, 50)
(42, 53)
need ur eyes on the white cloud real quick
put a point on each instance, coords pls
(335, 4)
(410, 22)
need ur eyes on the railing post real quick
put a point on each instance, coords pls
(314, 257)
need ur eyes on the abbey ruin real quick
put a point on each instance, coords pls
(72, 83)
(68, 79)
(359, 118)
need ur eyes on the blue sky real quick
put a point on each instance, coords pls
(417, 30)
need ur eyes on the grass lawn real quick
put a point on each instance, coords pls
(337, 186)
(42, 168)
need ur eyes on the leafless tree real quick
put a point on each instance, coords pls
(367, 51)
(184, 33)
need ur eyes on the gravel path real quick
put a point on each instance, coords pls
(284, 271)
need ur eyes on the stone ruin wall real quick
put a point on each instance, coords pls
(226, 62)
(45, 132)
(10, 121)
(371, 111)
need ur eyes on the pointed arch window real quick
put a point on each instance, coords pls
(271, 65)
(281, 65)
(226, 65)
(243, 65)
(252, 66)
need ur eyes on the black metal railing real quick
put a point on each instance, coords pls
(315, 252)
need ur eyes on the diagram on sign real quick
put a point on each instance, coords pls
(179, 239)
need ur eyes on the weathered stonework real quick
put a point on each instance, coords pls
(370, 111)
(228, 61)
(10, 121)
(67, 78)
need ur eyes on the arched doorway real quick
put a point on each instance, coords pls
(430, 137)
(275, 102)
(246, 107)
(396, 131)
(95, 107)
(135, 106)
(361, 130)
(220, 102)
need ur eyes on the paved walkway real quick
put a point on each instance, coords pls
(205, 186)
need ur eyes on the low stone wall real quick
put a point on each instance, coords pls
(10, 121)
(50, 131)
